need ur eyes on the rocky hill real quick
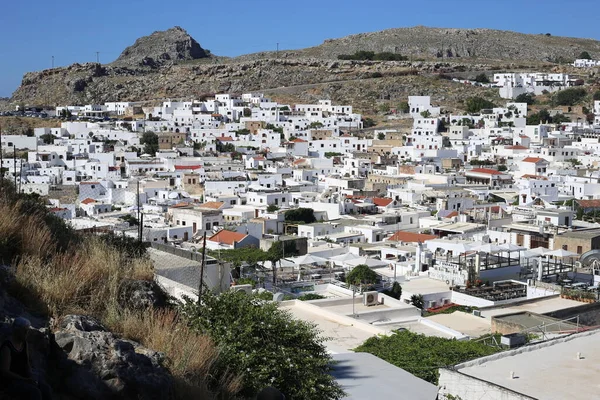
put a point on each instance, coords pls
(171, 64)
(160, 48)
(483, 44)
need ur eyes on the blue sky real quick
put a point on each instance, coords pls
(33, 31)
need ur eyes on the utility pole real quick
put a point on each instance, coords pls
(277, 53)
(1, 160)
(15, 164)
(138, 211)
(202, 268)
(98, 57)
(52, 62)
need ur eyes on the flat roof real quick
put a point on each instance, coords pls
(539, 307)
(362, 375)
(342, 337)
(549, 370)
(465, 323)
(424, 286)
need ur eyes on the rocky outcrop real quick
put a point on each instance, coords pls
(110, 367)
(81, 359)
(141, 295)
(160, 48)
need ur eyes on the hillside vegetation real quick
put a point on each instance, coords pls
(58, 272)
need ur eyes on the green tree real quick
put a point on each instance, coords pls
(596, 95)
(315, 125)
(476, 104)
(403, 107)
(247, 112)
(304, 215)
(150, 141)
(584, 55)
(381, 136)
(540, 117)
(361, 275)
(272, 208)
(48, 138)
(502, 168)
(395, 291)
(525, 98)
(482, 78)
(266, 345)
(384, 108)
(569, 97)
(425, 114)
(417, 301)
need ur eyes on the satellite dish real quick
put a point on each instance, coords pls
(278, 297)
(589, 258)
(173, 195)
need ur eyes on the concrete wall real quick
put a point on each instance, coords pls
(466, 300)
(469, 388)
(589, 314)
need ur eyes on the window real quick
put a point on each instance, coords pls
(565, 247)
(579, 249)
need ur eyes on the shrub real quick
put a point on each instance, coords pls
(417, 301)
(395, 291)
(584, 55)
(265, 345)
(596, 95)
(482, 78)
(310, 296)
(525, 98)
(423, 355)
(305, 215)
(569, 97)
(476, 104)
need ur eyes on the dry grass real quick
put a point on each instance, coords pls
(85, 279)
(190, 357)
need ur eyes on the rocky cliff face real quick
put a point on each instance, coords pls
(160, 48)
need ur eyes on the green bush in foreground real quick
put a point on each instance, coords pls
(266, 345)
(422, 355)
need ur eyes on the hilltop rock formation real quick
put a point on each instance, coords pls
(160, 48)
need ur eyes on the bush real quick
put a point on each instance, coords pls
(596, 95)
(584, 55)
(395, 291)
(423, 355)
(304, 215)
(525, 98)
(476, 104)
(417, 301)
(310, 296)
(482, 78)
(569, 97)
(265, 345)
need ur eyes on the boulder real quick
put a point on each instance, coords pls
(140, 295)
(112, 367)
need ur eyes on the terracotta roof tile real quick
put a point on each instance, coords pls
(588, 203)
(485, 171)
(212, 204)
(534, 160)
(88, 201)
(381, 201)
(227, 237)
(411, 237)
(184, 167)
